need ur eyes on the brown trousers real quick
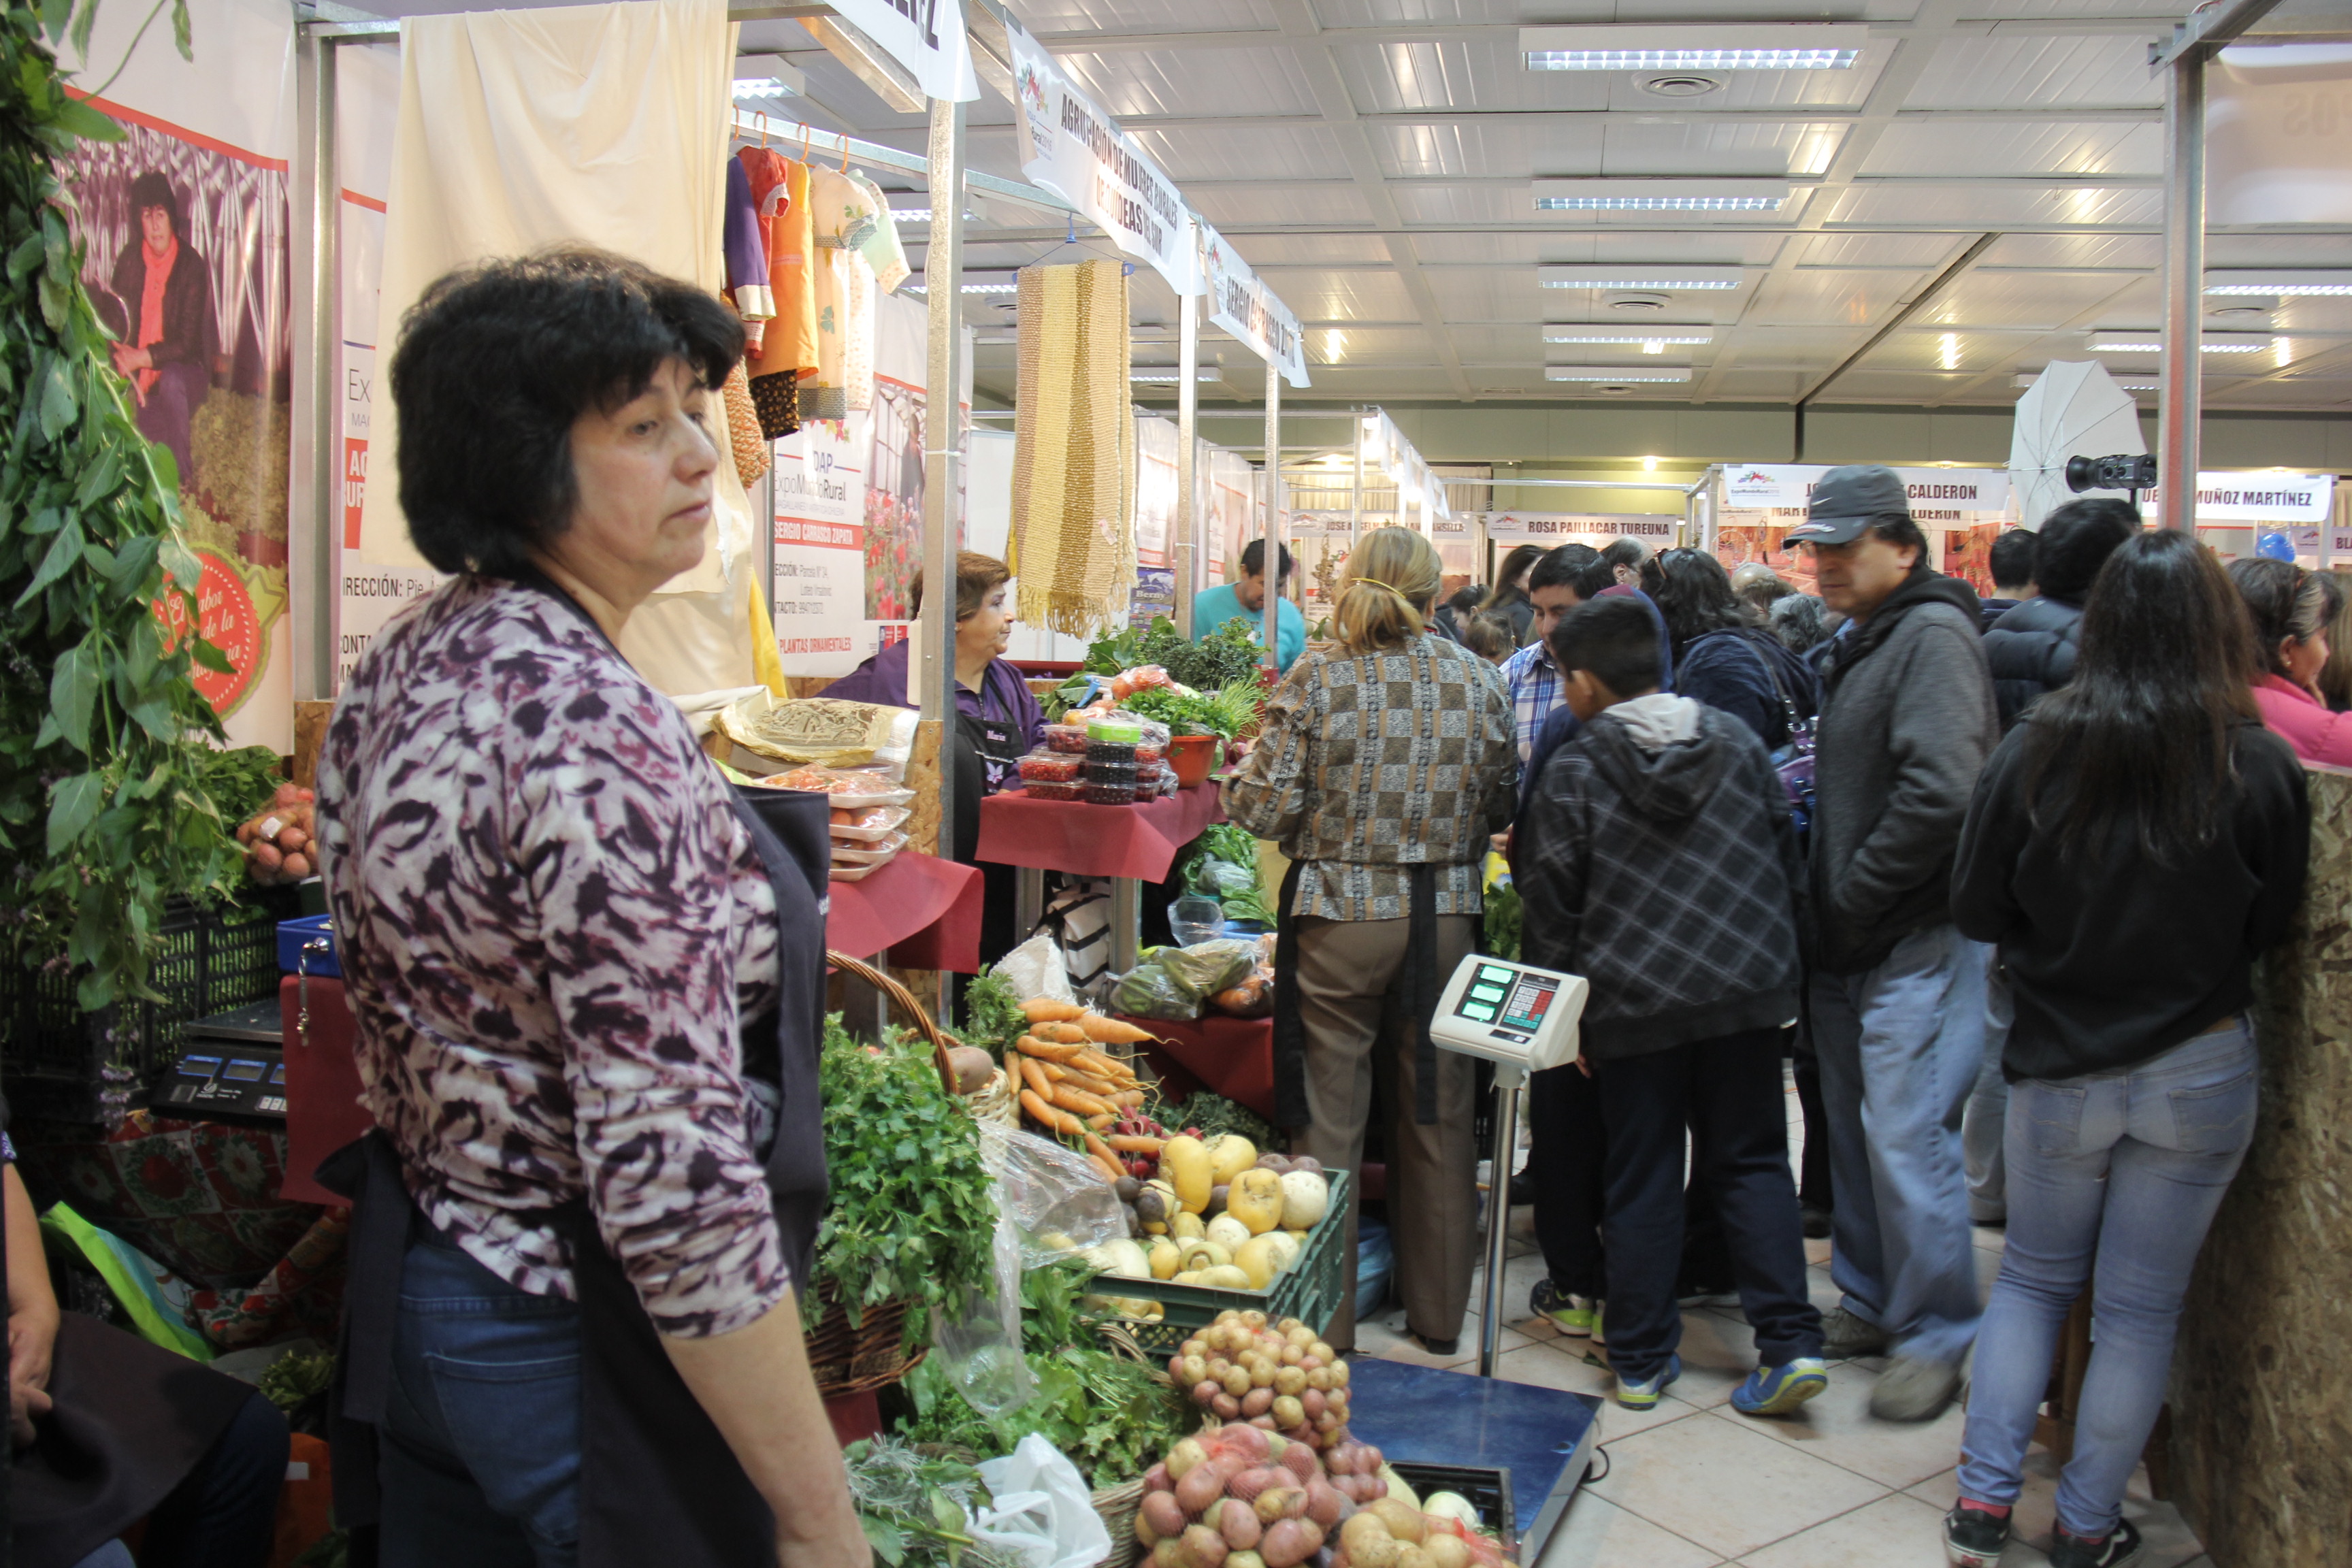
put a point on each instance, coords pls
(1346, 970)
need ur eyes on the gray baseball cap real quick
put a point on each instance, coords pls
(1847, 500)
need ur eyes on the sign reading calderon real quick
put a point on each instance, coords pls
(1241, 303)
(1072, 147)
(1932, 490)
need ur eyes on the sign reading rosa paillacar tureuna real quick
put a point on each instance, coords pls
(1241, 303)
(1072, 147)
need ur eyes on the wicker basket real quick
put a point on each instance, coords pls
(1117, 1506)
(849, 1361)
(996, 1104)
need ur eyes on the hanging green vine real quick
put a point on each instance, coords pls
(104, 742)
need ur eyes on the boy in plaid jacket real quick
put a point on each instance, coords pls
(1655, 859)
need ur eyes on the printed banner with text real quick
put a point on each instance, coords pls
(1241, 303)
(1071, 147)
(927, 36)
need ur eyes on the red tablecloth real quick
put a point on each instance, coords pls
(926, 910)
(1137, 841)
(1234, 1056)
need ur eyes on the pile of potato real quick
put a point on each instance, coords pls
(1389, 1534)
(280, 839)
(1275, 1376)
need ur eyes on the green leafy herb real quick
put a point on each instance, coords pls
(1214, 1114)
(992, 1018)
(1502, 921)
(105, 745)
(1222, 656)
(915, 1506)
(1110, 1413)
(913, 1212)
(292, 1380)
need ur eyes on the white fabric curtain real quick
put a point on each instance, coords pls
(606, 125)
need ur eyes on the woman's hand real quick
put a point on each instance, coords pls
(32, 1340)
(844, 1546)
(24, 1403)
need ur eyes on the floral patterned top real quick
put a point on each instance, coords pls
(549, 920)
(1368, 764)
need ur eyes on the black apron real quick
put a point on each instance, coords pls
(983, 743)
(657, 1483)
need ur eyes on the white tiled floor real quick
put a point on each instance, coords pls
(1694, 1484)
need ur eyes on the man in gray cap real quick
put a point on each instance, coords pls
(1898, 994)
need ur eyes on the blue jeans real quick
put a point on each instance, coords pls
(1900, 1048)
(2113, 1180)
(480, 1462)
(1985, 1127)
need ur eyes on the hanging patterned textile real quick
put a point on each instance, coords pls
(787, 353)
(1073, 542)
(842, 219)
(745, 431)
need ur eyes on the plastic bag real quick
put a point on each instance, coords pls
(1174, 982)
(1057, 1201)
(981, 1350)
(1222, 878)
(1036, 968)
(1041, 1508)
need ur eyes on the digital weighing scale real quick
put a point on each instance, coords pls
(1523, 1019)
(231, 1064)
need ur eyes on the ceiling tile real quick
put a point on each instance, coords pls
(1309, 151)
(1350, 296)
(1632, 146)
(1138, 82)
(1993, 207)
(1230, 206)
(1144, 16)
(1996, 149)
(2040, 300)
(2037, 68)
(2121, 251)
(1826, 297)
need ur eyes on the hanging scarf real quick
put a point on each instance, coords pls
(150, 301)
(1073, 448)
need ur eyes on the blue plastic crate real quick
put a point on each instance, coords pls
(314, 935)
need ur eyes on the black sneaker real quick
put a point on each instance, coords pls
(2119, 1550)
(1819, 1222)
(1974, 1539)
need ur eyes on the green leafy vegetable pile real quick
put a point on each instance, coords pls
(1214, 1114)
(1502, 921)
(992, 1018)
(913, 1212)
(1225, 656)
(1111, 1414)
(913, 1507)
(1225, 713)
(1222, 864)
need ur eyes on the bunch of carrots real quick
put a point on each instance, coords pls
(1070, 1085)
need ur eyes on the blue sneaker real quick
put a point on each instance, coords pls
(1777, 1390)
(1643, 1396)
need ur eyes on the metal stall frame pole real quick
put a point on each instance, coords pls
(1269, 615)
(943, 454)
(1356, 485)
(317, 478)
(2177, 411)
(1188, 424)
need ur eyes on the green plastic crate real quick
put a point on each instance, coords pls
(1308, 1290)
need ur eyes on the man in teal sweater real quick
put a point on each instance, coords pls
(1212, 607)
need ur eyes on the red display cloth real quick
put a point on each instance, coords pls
(322, 1085)
(1136, 841)
(1233, 1057)
(926, 910)
(854, 1418)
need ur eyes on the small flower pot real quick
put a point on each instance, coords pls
(1191, 756)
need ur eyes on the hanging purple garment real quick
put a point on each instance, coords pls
(747, 250)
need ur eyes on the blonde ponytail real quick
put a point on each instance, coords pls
(1386, 591)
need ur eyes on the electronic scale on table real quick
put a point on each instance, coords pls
(231, 1064)
(1523, 1019)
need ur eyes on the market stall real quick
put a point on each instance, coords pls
(1752, 506)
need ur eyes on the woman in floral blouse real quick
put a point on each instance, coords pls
(553, 922)
(1385, 764)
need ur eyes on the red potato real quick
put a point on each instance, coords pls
(266, 855)
(293, 838)
(295, 868)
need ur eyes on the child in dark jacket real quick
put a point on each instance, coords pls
(1655, 859)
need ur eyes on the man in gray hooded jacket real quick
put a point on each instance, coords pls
(1898, 994)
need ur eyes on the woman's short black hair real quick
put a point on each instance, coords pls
(152, 190)
(496, 363)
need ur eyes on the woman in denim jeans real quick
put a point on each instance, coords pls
(2133, 845)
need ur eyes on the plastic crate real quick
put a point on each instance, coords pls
(1307, 1291)
(307, 944)
(63, 1064)
(1488, 1490)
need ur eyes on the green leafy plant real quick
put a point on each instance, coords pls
(104, 754)
(1214, 1114)
(913, 1212)
(915, 1504)
(1113, 1415)
(992, 1018)
(1501, 933)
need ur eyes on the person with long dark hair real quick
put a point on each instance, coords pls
(1723, 657)
(2292, 610)
(1510, 596)
(2132, 845)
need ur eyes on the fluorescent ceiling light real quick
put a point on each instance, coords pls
(2280, 285)
(1574, 334)
(968, 289)
(1660, 195)
(764, 88)
(1641, 277)
(1170, 377)
(1614, 372)
(923, 214)
(2026, 380)
(1713, 47)
(2152, 343)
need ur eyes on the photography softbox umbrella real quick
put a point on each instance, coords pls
(2073, 409)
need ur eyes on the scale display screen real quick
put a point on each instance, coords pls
(198, 1067)
(240, 1071)
(1512, 998)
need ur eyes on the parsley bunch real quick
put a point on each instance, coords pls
(914, 1211)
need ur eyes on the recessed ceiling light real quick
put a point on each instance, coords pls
(1681, 84)
(2127, 342)
(1640, 275)
(1659, 203)
(1712, 47)
(1639, 304)
(2240, 311)
(1614, 372)
(1573, 334)
(2281, 284)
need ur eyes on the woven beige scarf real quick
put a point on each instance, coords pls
(1072, 546)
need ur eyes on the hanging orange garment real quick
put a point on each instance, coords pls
(780, 191)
